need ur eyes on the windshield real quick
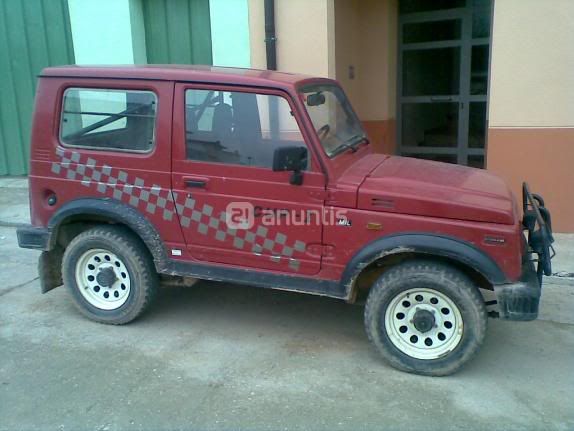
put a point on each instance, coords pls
(333, 118)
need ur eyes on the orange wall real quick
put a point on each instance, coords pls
(382, 135)
(544, 157)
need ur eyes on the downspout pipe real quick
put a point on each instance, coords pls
(271, 53)
(270, 38)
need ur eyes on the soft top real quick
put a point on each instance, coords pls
(181, 72)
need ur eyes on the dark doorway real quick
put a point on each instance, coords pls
(443, 64)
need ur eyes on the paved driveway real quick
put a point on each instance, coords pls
(229, 357)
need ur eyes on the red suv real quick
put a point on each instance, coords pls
(140, 174)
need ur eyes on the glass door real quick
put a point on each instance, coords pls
(442, 80)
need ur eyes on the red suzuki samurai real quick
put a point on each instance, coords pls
(140, 174)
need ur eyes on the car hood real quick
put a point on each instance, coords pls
(421, 187)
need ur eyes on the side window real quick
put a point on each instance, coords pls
(109, 119)
(238, 128)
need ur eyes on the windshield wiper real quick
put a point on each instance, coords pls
(347, 146)
(353, 143)
(350, 144)
(357, 140)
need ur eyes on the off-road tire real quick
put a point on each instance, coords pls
(445, 279)
(131, 250)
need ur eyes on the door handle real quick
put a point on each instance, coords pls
(195, 182)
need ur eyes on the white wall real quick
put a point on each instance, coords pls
(103, 31)
(230, 33)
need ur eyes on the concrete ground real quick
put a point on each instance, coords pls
(218, 356)
(14, 204)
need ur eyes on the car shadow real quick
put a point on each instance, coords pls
(224, 306)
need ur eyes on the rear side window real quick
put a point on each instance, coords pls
(121, 120)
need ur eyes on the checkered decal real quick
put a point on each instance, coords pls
(114, 183)
(256, 241)
(160, 201)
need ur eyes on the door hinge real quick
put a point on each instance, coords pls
(320, 250)
(328, 250)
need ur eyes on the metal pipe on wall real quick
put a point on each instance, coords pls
(271, 54)
(270, 38)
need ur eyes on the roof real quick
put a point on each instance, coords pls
(180, 72)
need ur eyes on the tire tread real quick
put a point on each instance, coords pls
(132, 246)
(444, 274)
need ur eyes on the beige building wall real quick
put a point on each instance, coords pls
(531, 107)
(303, 29)
(532, 80)
(326, 38)
(366, 64)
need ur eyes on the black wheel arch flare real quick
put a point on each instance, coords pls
(455, 249)
(117, 212)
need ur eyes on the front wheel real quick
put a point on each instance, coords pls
(425, 317)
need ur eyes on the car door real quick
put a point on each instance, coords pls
(232, 207)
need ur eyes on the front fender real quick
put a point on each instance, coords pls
(422, 243)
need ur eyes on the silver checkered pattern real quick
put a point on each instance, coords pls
(156, 200)
(209, 223)
(115, 182)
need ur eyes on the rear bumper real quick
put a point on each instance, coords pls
(50, 260)
(36, 238)
(520, 300)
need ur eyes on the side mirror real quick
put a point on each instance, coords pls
(291, 159)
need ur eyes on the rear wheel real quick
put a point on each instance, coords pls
(425, 317)
(110, 274)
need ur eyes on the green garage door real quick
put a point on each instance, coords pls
(177, 31)
(33, 34)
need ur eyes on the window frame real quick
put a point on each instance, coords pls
(109, 149)
(314, 163)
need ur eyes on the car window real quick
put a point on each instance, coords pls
(237, 127)
(121, 120)
(337, 125)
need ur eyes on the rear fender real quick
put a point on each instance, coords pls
(117, 212)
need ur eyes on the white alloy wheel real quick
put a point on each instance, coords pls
(103, 279)
(423, 323)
